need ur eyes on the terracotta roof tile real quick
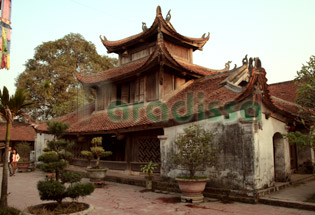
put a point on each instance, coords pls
(111, 73)
(284, 90)
(158, 23)
(19, 132)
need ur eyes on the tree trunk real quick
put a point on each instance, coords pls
(97, 161)
(4, 184)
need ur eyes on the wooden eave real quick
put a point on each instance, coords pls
(159, 24)
(160, 56)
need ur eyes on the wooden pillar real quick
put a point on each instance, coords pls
(128, 151)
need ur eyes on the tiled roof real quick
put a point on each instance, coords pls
(19, 132)
(102, 121)
(71, 118)
(205, 90)
(284, 90)
(141, 64)
(111, 73)
(159, 24)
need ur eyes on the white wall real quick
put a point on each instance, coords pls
(264, 159)
(234, 141)
(40, 143)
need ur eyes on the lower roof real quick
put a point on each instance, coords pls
(19, 132)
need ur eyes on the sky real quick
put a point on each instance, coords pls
(281, 33)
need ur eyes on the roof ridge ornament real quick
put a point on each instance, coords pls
(158, 11)
(245, 60)
(204, 35)
(257, 62)
(168, 16)
(104, 38)
(227, 65)
(144, 27)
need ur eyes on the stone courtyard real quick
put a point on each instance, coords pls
(117, 198)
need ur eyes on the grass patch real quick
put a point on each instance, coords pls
(9, 211)
(312, 199)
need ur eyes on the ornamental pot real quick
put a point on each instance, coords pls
(96, 175)
(89, 209)
(23, 166)
(192, 189)
(148, 182)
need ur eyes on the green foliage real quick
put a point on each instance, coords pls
(96, 141)
(149, 168)
(55, 160)
(194, 149)
(56, 191)
(306, 84)
(80, 190)
(302, 139)
(9, 211)
(57, 128)
(70, 177)
(96, 150)
(51, 190)
(87, 154)
(48, 76)
(15, 103)
(305, 81)
(24, 150)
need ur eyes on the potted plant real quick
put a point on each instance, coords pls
(64, 184)
(96, 173)
(148, 171)
(24, 150)
(193, 152)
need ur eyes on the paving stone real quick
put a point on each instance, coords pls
(124, 199)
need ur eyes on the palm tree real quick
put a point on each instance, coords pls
(10, 107)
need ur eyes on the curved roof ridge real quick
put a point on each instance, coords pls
(159, 23)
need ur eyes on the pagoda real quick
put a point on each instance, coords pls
(152, 65)
(156, 91)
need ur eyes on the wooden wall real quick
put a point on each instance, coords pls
(179, 51)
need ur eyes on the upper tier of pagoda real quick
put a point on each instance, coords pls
(159, 25)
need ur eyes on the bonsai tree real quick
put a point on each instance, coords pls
(194, 150)
(24, 150)
(55, 159)
(96, 151)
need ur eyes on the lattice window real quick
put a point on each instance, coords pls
(149, 150)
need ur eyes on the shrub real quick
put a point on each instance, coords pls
(9, 211)
(194, 149)
(55, 159)
(96, 150)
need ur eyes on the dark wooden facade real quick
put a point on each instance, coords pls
(130, 150)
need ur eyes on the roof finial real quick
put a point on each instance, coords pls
(204, 35)
(227, 65)
(158, 11)
(168, 16)
(257, 62)
(245, 61)
(103, 39)
(144, 26)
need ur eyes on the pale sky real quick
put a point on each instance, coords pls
(280, 32)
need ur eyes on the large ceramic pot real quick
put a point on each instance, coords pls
(23, 166)
(192, 189)
(88, 209)
(96, 175)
